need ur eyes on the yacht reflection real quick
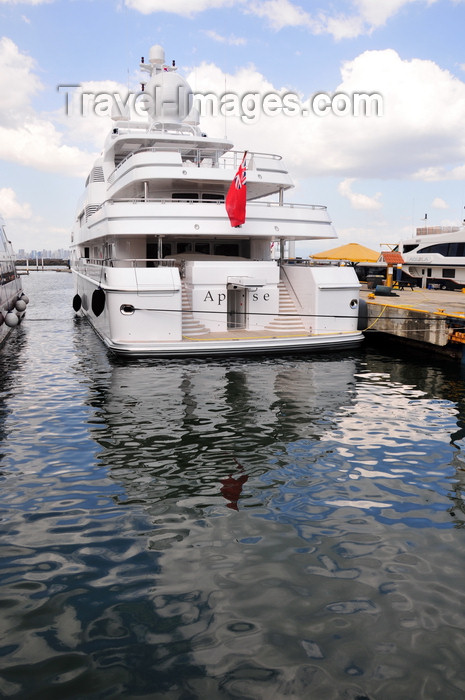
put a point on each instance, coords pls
(168, 430)
(172, 430)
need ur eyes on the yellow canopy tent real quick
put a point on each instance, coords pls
(352, 252)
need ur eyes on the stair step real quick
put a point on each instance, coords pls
(288, 318)
(190, 325)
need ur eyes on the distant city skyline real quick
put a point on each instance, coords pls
(59, 253)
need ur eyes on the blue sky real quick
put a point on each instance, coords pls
(378, 175)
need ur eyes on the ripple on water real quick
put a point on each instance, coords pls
(286, 527)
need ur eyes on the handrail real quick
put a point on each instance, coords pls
(197, 156)
(135, 262)
(216, 202)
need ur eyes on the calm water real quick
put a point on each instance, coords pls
(285, 528)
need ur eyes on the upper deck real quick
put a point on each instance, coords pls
(185, 164)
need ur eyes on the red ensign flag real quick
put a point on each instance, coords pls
(237, 196)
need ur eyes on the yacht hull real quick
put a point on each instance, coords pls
(154, 322)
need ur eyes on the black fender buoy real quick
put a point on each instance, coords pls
(11, 319)
(98, 301)
(362, 322)
(76, 302)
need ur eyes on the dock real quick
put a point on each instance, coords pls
(430, 320)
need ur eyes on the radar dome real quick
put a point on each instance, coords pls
(157, 55)
(170, 97)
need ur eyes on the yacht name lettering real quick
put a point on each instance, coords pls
(209, 297)
(221, 296)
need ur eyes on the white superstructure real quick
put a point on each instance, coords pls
(436, 259)
(160, 271)
(13, 301)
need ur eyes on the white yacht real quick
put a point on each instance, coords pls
(161, 266)
(13, 301)
(435, 257)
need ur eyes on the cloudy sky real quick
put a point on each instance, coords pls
(379, 174)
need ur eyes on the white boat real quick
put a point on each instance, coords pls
(13, 301)
(161, 270)
(435, 257)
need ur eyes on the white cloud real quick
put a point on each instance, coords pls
(10, 208)
(179, 7)
(231, 40)
(78, 119)
(365, 17)
(362, 17)
(420, 132)
(37, 144)
(27, 137)
(281, 13)
(357, 199)
(377, 13)
(439, 203)
(440, 172)
(18, 83)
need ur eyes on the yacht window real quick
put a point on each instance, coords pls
(191, 196)
(202, 248)
(8, 273)
(227, 249)
(448, 272)
(438, 248)
(409, 247)
(152, 252)
(456, 250)
(210, 197)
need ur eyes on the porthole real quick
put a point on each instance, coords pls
(353, 304)
(127, 309)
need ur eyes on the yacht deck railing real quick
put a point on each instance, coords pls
(93, 208)
(203, 157)
(129, 262)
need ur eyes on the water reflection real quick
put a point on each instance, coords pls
(185, 429)
(292, 503)
(244, 529)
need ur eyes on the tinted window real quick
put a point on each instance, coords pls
(456, 250)
(186, 195)
(438, 248)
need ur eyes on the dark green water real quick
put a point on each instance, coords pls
(284, 528)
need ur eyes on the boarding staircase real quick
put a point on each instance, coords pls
(288, 319)
(191, 328)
